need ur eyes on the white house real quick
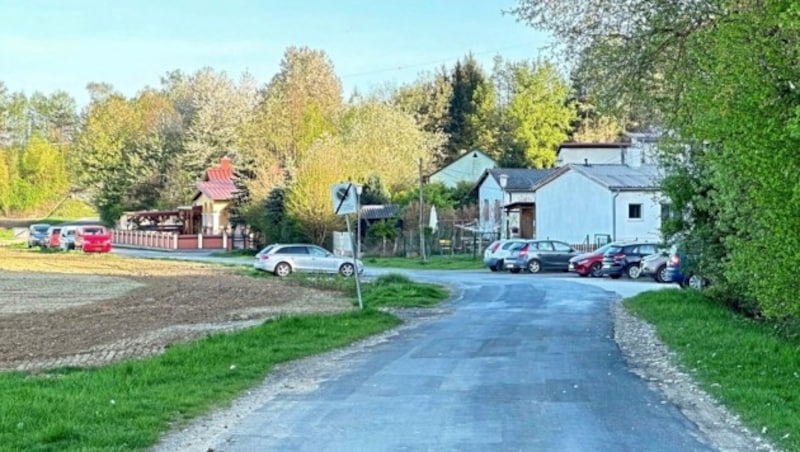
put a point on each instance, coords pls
(591, 202)
(466, 168)
(510, 210)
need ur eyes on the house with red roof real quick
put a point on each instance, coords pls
(215, 193)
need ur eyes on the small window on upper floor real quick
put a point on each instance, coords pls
(634, 211)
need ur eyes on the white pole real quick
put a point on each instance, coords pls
(355, 262)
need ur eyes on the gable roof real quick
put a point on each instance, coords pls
(613, 176)
(473, 153)
(217, 182)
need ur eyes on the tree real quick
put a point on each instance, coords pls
(538, 111)
(466, 79)
(5, 183)
(301, 103)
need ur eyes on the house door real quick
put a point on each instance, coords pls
(527, 217)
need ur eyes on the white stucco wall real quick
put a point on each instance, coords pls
(468, 168)
(647, 228)
(570, 207)
(595, 156)
(490, 195)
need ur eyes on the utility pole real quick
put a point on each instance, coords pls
(421, 215)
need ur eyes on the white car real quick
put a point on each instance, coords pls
(284, 259)
(495, 254)
(67, 240)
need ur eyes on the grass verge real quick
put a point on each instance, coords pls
(435, 262)
(741, 362)
(129, 405)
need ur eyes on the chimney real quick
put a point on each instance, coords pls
(225, 163)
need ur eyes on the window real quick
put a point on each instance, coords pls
(562, 247)
(634, 211)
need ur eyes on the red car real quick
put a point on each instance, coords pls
(93, 238)
(591, 263)
(53, 237)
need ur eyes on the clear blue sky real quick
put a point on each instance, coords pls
(47, 45)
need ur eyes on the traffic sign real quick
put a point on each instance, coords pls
(345, 198)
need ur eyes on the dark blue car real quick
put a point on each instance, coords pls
(677, 272)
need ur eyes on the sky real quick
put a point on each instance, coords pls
(49, 45)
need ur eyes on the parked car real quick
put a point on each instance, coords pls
(37, 235)
(538, 255)
(53, 237)
(624, 259)
(655, 265)
(496, 253)
(92, 238)
(680, 270)
(591, 263)
(283, 259)
(67, 237)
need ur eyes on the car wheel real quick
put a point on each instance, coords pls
(534, 266)
(634, 271)
(347, 270)
(696, 282)
(499, 265)
(493, 267)
(283, 269)
(514, 270)
(596, 270)
(661, 274)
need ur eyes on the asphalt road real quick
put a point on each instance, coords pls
(521, 363)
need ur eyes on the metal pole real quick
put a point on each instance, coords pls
(355, 262)
(421, 223)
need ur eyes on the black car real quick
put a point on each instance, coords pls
(537, 255)
(624, 259)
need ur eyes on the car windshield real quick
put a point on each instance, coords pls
(41, 229)
(604, 248)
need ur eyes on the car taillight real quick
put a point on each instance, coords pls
(263, 257)
(523, 251)
(675, 260)
(619, 257)
(494, 248)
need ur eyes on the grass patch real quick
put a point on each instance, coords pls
(743, 363)
(392, 290)
(127, 406)
(435, 262)
(6, 234)
(235, 253)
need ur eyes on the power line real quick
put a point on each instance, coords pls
(431, 62)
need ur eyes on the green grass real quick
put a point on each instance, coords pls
(743, 363)
(244, 254)
(127, 406)
(435, 262)
(392, 290)
(6, 234)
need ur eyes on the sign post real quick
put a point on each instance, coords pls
(345, 202)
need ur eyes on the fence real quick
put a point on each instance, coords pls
(174, 241)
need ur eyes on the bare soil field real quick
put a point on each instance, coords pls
(75, 309)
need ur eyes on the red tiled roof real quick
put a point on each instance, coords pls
(217, 190)
(219, 174)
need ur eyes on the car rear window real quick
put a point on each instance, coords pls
(93, 231)
(41, 229)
